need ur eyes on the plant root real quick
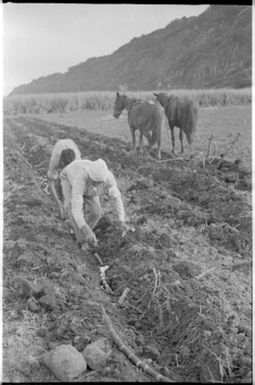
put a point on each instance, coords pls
(130, 355)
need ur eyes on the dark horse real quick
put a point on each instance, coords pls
(182, 113)
(145, 116)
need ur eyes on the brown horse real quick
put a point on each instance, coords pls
(145, 116)
(182, 113)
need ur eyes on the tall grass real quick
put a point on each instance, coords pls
(96, 100)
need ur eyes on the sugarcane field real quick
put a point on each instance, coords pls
(168, 300)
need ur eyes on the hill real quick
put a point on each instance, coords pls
(212, 50)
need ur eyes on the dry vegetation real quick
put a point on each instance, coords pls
(187, 265)
(186, 269)
(68, 102)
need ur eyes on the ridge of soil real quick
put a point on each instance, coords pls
(187, 264)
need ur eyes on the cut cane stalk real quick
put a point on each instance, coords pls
(98, 259)
(130, 355)
(123, 296)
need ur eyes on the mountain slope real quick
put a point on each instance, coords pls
(209, 51)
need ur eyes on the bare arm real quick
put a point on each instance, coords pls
(115, 197)
(77, 210)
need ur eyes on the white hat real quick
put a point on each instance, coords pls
(99, 170)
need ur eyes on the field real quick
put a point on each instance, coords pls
(187, 265)
(69, 102)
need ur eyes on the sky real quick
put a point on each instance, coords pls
(43, 38)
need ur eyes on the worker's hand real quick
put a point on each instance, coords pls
(124, 228)
(89, 236)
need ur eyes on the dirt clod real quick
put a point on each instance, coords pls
(65, 362)
(97, 354)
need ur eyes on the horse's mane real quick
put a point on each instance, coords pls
(133, 101)
(172, 97)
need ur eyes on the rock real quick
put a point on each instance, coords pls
(97, 353)
(140, 339)
(245, 267)
(7, 293)
(54, 274)
(248, 181)
(82, 269)
(80, 342)
(33, 305)
(210, 371)
(153, 352)
(245, 362)
(27, 364)
(141, 184)
(41, 332)
(187, 269)
(141, 220)
(184, 351)
(215, 232)
(48, 301)
(27, 289)
(65, 362)
(244, 329)
(248, 378)
(232, 177)
(165, 240)
(62, 328)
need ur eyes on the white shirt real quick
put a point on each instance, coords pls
(81, 174)
(61, 145)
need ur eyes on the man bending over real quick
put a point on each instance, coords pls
(84, 181)
(55, 166)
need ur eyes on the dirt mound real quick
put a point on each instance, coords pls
(186, 265)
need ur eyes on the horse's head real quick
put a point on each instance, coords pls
(162, 98)
(119, 104)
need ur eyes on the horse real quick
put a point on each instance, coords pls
(146, 116)
(182, 113)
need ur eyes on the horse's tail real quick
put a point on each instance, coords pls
(188, 116)
(193, 121)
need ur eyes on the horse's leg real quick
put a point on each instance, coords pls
(134, 144)
(181, 140)
(148, 136)
(141, 142)
(159, 149)
(190, 141)
(172, 137)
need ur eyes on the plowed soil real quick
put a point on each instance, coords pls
(187, 264)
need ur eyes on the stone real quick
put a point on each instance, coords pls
(248, 378)
(82, 269)
(41, 332)
(65, 362)
(80, 342)
(27, 289)
(48, 302)
(139, 339)
(97, 353)
(33, 305)
(27, 364)
(210, 371)
(153, 352)
(187, 269)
